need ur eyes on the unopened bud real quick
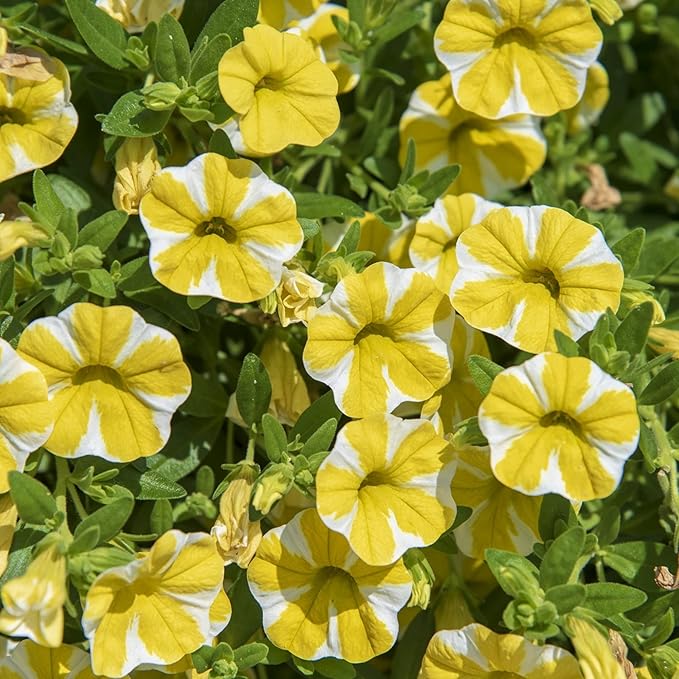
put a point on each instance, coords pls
(87, 257)
(609, 11)
(422, 576)
(161, 96)
(271, 486)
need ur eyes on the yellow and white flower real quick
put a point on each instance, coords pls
(26, 415)
(501, 517)
(158, 608)
(460, 398)
(517, 57)
(475, 651)
(587, 111)
(114, 380)
(8, 520)
(281, 13)
(20, 233)
(559, 425)
(382, 338)
(495, 155)
(37, 119)
(283, 93)
(29, 660)
(297, 295)
(136, 15)
(136, 164)
(319, 599)
(525, 272)
(432, 249)
(386, 486)
(595, 655)
(219, 227)
(33, 603)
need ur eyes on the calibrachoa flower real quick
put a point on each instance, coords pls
(37, 119)
(525, 272)
(296, 297)
(26, 416)
(319, 599)
(282, 91)
(33, 603)
(495, 154)
(517, 57)
(597, 93)
(158, 608)
(501, 517)
(136, 15)
(28, 660)
(460, 398)
(8, 520)
(475, 651)
(219, 227)
(114, 380)
(386, 486)
(380, 340)
(280, 13)
(559, 425)
(432, 249)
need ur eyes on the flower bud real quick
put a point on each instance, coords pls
(423, 578)
(161, 96)
(664, 341)
(594, 653)
(87, 257)
(271, 486)
(297, 295)
(136, 163)
(19, 234)
(608, 10)
(634, 298)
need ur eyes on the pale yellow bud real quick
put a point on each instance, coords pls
(608, 10)
(136, 164)
(664, 341)
(595, 656)
(634, 298)
(33, 603)
(19, 234)
(297, 295)
(136, 15)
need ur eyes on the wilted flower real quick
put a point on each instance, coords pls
(136, 163)
(297, 295)
(136, 15)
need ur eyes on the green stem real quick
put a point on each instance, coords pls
(250, 453)
(63, 472)
(229, 442)
(77, 502)
(599, 567)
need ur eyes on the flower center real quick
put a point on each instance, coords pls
(12, 115)
(217, 226)
(98, 373)
(516, 36)
(558, 418)
(269, 82)
(375, 478)
(376, 329)
(543, 277)
(450, 245)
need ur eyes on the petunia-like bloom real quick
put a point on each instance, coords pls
(281, 13)
(26, 415)
(37, 119)
(460, 398)
(559, 425)
(158, 608)
(319, 599)
(501, 518)
(475, 651)
(282, 91)
(432, 249)
(587, 111)
(517, 57)
(136, 15)
(382, 338)
(386, 486)
(525, 272)
(8, 520)
(29, 660)
(33, 603)
(114, 380)
(136, 163)
(495, 155)
(219, 227)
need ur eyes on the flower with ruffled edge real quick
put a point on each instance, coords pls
(282, 91)
(26, 415)
(382, 338)
(386, 486)
(501, 517)
(136, 15)
(157, 608)
(559, 425)
(515, 56)
(114, 380)
(219, 227)
(281, 13)
(319, 599)
(495, 155)
(587, 111)
(37, 119)
(525, 272)
(432, 249)
(28, 660)
(475, 651)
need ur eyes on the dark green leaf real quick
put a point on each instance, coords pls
(109, 519)
(96, 281)
(33, 499)
(628, 249)
(247, 615)
(350, 240)
(275, 440)
(207, 398)
(231, 17)
(483, 371)
(559, 562)
(513, 573)
(310, 227)
(129, 118)
(321, 439)
(253, 391)
(208, 59)
(439, 182)
(103, 230)
(150, 485)
(566, 597)
(320, 411)
(250, 655)
(220, 143)
(608, 598)
(23, 543)
(334, 668)
(47, 202)
(632, 333)
(399, 22)
(168, 303)
(6, 282)
(634, 561)
(662, 387)
(565, 345)
(411, 647)
(319, 206)
(85, 540)
(70, 194)
(172, 58)
(554, 509)
(161, 516)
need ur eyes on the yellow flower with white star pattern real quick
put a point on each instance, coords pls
(114, 380)
(28, 660)
(219, 227)
(386, 486)
(559, 425)
(432, 249)
(319, 599)
(514, 56)
(501, 518)
(158, 608)
(525, 272)
(26, 416)
(475, 651)
(37, 119)
(495, 155)
(382, 338)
